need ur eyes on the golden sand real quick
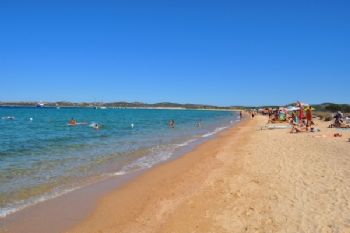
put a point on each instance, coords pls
(245, 180)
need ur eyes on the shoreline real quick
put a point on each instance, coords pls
(136, 108)
(57, 207)
(135, 195)
(245, 180)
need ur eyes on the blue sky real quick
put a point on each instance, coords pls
(212, 52)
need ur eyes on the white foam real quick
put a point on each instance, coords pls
(20, 205)
(217, 130)
(160, 154)
(186, 143)
(120, 173)
(208, 134)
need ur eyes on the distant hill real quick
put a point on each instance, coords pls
(325, 107)
(113, 105)
(331, 107)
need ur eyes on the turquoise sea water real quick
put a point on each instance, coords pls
(42, 157)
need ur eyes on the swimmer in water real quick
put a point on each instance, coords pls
(96, 126)
(172, 124)
(73, 121)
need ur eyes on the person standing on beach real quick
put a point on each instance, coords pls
(301, 111)
(308, 116)
(240, 115)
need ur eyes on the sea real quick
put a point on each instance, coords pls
(42, 156)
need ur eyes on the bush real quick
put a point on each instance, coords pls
(328, 118)
(338, 107)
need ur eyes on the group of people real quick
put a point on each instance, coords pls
(171, 124)
(300, 117)
(302, 122)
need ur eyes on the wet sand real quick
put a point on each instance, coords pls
(245, 180)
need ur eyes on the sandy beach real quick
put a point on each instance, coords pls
(245, 180)
(175, 117)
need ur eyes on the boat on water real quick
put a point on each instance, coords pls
(40, 105)
(8, 118)
(101, 107)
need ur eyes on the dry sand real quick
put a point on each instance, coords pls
(245, 180)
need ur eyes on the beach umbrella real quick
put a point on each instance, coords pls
(292, 108)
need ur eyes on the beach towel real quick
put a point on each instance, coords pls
(276, 127)
(341, 129)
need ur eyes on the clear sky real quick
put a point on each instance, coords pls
(210, 52)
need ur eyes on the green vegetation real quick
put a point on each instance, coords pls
(325, 107)
(113, 105)
(330, 107)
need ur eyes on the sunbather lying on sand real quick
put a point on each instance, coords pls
(298, 129)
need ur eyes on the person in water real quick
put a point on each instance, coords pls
(172, 124)
(73, 121)
(240, 115)
(96, 126)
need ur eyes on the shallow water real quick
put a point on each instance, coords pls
(44, 157)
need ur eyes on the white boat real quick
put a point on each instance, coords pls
(40, 105)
